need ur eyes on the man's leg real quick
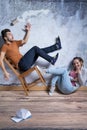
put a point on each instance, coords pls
(28, 59)
(44, 55)
(31, 56)
(56, 46)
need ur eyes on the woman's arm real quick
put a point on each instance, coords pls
(82, 76)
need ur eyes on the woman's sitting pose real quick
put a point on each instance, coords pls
(68, 82)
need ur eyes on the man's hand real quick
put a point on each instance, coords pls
(27, 30)
(27, 26)
(6, 75)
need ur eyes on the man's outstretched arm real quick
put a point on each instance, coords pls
(27, 29)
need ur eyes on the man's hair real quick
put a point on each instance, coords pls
(3, 32)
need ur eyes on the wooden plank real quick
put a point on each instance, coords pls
(16, 88)
(48, 120)
(19, 88)
(35, 88)
(59, 111)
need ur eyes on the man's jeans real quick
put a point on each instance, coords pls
(31, 56)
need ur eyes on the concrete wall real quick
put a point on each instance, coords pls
(49, 18)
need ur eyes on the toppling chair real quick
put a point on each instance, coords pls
(21, 76)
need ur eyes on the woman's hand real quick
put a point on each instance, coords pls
(76, 79)
(78, 70)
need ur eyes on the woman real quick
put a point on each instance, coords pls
(68, 82)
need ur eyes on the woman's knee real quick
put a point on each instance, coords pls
(65, 70)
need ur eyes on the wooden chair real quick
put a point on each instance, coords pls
(21, 76)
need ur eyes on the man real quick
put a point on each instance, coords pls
(10, 49)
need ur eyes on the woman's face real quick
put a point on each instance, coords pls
(77, 64)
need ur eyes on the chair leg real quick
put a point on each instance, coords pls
(25, 83)
(24, 86)
(40, 76)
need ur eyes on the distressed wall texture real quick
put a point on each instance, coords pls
(10, 9)
(49, 18)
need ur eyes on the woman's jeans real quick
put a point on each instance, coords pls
(62, 80)
(31, 56)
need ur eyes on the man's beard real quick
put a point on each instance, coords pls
(11, 40)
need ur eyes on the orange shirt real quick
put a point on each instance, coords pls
(12, 51)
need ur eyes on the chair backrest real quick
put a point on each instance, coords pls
(12, 67)
(21, 76)
(17, 71)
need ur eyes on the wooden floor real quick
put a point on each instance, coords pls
(58, 111)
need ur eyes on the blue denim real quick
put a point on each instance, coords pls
(62, 80)
(31, 56)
